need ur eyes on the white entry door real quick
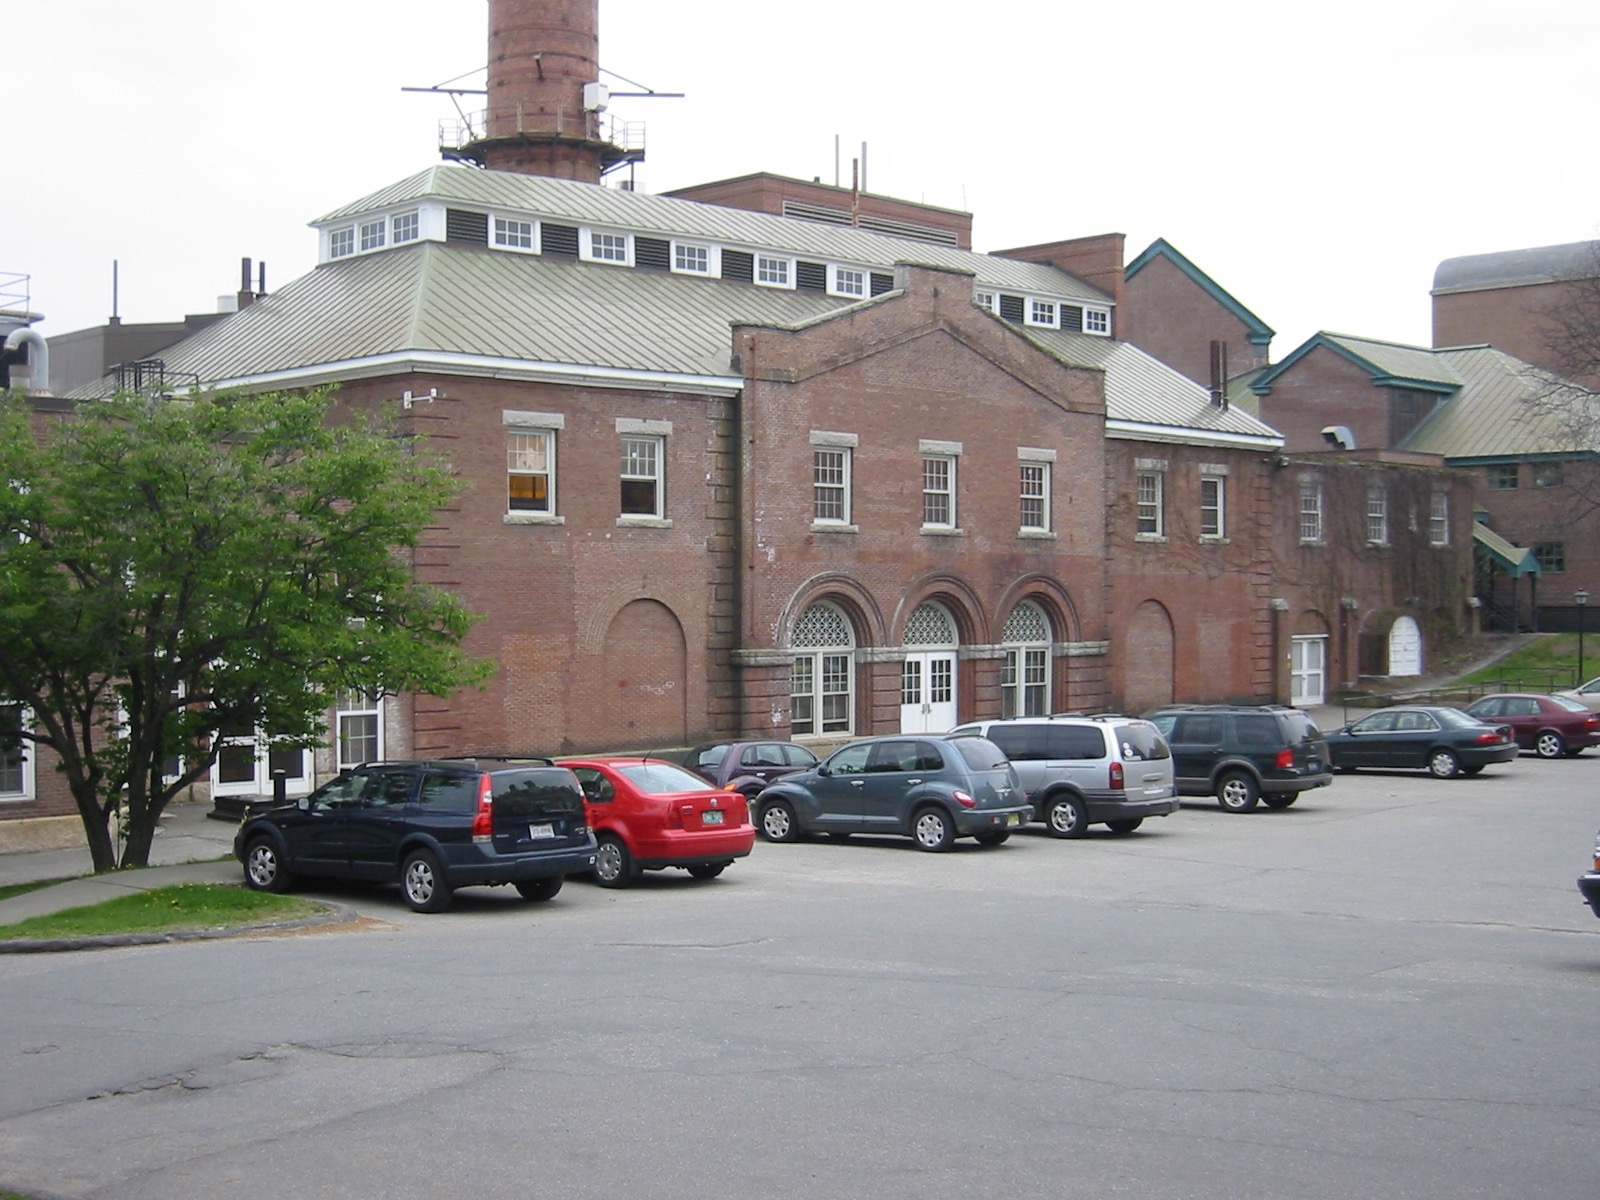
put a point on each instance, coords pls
(1405, 647)
(928, 692)
(245, 767)
(1308, 671)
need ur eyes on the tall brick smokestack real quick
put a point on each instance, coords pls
(542, 53)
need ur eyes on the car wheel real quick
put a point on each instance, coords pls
(778, 823)
(263, 869)
(1280, 800)
(613, 865)
(1237, 792)
(425, 887)
(540, 889)
(931, 828)
(707, 870)
(1550, 745)
(991, 839)
(1127, 826)
(1443, 764)
(1067, 817)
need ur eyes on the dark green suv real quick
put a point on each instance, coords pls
(1242, 753)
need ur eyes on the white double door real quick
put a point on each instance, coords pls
(246, 766)
(928, 691)
(1308, 671)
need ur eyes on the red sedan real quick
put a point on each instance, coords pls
(647, 814)
(1551, 725)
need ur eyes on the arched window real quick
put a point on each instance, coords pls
(1025, 683)
(822, 680)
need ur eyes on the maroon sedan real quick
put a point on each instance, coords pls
(1551, 725)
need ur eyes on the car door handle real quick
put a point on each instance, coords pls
(909, 782)
(858, 783)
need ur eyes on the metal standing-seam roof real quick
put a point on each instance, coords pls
(1498, 412)
(1517, 268)
(586, 203)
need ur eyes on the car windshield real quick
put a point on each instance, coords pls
(980, 753)
(1453, 718)
(662, 778)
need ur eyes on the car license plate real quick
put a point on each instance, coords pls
(539, 832)
(1013, 819)
(1313, 764)
(712, 816)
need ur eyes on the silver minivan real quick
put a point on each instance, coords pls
(1081, 771)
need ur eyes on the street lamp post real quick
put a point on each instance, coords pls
(1581, 598)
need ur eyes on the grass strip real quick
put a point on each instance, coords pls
(185, 907)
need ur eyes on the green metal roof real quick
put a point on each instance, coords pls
(1386, 362)
(1502, 410)
(1516, 561)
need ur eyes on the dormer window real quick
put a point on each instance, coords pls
(847, 281)
(512, 233)
(405, 227)
(607, 247)
(342, 242)
(984, 300)
(1043, 313)
(690, 259)
(374, 234)
(1097, 320)
(774, 272)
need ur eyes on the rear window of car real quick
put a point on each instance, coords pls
(980, 754)
(1141, 740)
(537, 792)
(1452, 718)
(1301, 727)
(799, 756)
(709, 756)
(1569, 704)
(455, 793)
(662, 778)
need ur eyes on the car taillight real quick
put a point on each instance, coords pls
(964, 800)
(1116, 777)
(1285, 760)
(483, 823)
(1490, 738)
(676, 813)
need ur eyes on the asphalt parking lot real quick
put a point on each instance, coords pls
(1386, 990)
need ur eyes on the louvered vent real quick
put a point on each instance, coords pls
(652, 254)
(738, 266)
(1011, 308)
(811, 277)
(882, 283)
(463, 226)
(559, 240)
(1072, 318)
(839, 216)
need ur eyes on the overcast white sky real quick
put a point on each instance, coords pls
(1317, 160)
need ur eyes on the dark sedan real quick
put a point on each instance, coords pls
(1442, 741)
(1552, 726)
(747, 767)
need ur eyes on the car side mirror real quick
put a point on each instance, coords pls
(822, 769)
(303, 804)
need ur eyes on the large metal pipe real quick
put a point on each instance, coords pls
(38, 357)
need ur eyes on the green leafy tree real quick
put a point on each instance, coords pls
(174, 569)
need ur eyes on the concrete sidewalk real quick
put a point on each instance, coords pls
(186, 848)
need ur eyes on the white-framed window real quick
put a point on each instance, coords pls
(1310, 511)
(606, 247)
(513, 233)
(1034, 493)
(830, 485)
(1439, 519)
(1043, 313)
(1377, 516)
(1504, 477)
(16, 753)
(1150, 518)
(643, 469)
(938, 491)
(1097, 320)
(822, 677)
(774, 272)
(846, 281)
(358, 728)
(690, 258)
(374, 234)
(405, 227)
(1025, 678)
(1213, 506)
(531, 470)
(984, 299)
(342, 242)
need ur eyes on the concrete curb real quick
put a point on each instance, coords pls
(337, 914)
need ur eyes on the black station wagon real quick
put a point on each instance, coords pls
(431, 827)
